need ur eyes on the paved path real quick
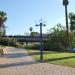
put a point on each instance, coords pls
(18, 62)
(15, 56)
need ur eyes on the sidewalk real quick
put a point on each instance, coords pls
(18, 62)
(15, 56)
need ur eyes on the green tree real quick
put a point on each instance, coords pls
(56, 38)
(72, 21)
(3, 18)
(34, 34)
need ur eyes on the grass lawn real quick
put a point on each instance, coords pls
(58, 58)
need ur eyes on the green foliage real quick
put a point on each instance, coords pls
(34, 34)
(8, 42)
(35, 46)
(72, 40)
(19, 45)
(3, 18)
(56, 38)
(53, 46)
(72, 21)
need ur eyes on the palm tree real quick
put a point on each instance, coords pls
(3, 18)
(31, 29)
(65, 3)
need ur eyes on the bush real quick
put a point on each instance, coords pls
(8, 42)
(53, 47)
(56, 39)
(19, 45)
(35, 46)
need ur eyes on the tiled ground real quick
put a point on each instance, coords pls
(18, 62)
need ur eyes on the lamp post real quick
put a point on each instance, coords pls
(41, 41)
(65, 3)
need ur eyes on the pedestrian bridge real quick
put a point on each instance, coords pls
(27, 38)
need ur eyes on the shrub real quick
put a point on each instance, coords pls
(53, 47)
(56, 39)
(8, 41)
(35, 46)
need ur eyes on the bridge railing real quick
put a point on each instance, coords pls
(27, 38)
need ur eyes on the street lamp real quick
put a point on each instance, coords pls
(41, 41)
(65, 3)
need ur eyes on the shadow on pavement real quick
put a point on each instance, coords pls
(17, 64)
(15, 55)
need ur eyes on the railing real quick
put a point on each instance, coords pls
(27, 38)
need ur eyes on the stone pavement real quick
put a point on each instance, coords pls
(15, 56)
(18, 62)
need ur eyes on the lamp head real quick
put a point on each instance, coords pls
(36, 25)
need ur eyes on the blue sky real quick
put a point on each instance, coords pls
(23, 14)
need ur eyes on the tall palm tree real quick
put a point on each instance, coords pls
(3, 19)
(65, 3)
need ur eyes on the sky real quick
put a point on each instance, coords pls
(23, 14)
